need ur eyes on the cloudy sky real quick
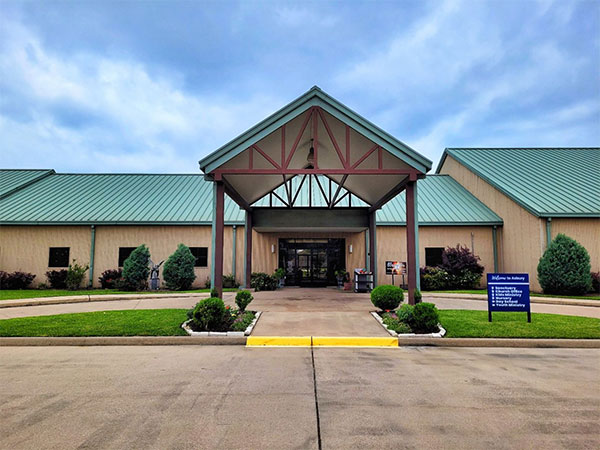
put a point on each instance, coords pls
(154, 86)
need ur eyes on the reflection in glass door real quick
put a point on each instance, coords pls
(311, 262)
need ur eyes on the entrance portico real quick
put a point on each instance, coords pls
(349, 167)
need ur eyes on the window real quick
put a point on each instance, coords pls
(201, 255)
(124, 253)
(433, 256)
(59, 257)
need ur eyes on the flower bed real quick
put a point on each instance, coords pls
(211, 317)
(421, 320)
(242, 325)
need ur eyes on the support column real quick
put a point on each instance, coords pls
(234, 251)
(411, 241)
(92, 252)
(548, 231)
(248, 250)
(373, 246)
(217, 236)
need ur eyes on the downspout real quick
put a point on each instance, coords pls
(548, 231)
(233, 257)
(495, 247)
(92, 251)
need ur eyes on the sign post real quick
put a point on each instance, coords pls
(508, 292)
(395, 268)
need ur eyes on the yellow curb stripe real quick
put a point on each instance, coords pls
(320, 341)
(278, 341)
(353, 341)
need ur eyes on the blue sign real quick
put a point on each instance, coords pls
(508, 292)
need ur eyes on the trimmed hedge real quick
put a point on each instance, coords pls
(15, 280)
(386, 297)
(57, 278)
(261, 281)
(243, 299)
(565, 268)
(209, 315)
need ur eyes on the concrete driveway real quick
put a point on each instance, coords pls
(211, 397)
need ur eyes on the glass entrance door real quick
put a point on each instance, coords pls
(311, 262)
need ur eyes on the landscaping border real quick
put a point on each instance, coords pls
(439, 334)
(228, 334)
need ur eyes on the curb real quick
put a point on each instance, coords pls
(439, 334)
(321, 341)
(299, 341)
(499, 342)
(532, 299)
(119, 340)
(92, 298)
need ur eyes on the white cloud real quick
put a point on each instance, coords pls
(141, 121)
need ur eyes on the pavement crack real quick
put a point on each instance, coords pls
(312, 357)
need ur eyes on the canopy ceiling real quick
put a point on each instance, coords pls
(346, 148)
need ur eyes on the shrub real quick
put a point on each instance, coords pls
(243, 299)
(57, 278)
(418, 296)
(229, 281)
(214, 293)
(392, 322)
(433, 278)
(209, 315)
(15, 280)
(405, 314)
(565, 268)
(462, 266)
(135, 269)
(75, 275)
(596, 282)
(242, 321)
(386, 297)
(261, 281)
(425, 318)
(279, 273)
(178, 271)
(109, 278)
(207, 283)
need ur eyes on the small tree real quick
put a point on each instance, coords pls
(75, 275)
(565, 267)
(178, 272)
(135, 269)
(462, 266)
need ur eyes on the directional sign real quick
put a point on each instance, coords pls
(508, 292)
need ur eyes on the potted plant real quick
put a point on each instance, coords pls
(280, 275)
(348, 285)
(341, 275)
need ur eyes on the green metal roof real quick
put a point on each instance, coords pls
(315, 97)
(441, 200)
(115, 199)
(548, 182)
(148, 199)
(12, 180)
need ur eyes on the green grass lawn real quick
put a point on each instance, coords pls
(466, 323)
(12, 294)
(138, 322)
(533, 294)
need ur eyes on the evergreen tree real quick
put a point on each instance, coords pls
(136, 270)
(178, 271)
(565, 268)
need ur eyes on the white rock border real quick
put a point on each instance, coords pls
(186, 327)
(439, 334)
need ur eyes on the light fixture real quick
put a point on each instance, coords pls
(272, 248)
(311, 155)
(350, 248)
